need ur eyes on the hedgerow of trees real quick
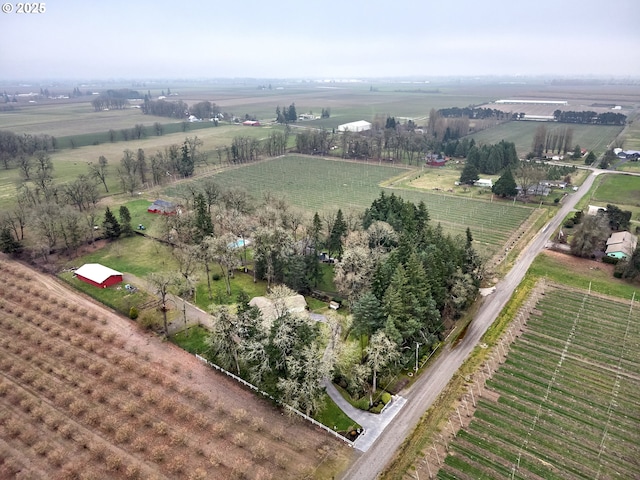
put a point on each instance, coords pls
(606, 118)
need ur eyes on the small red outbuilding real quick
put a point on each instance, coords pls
(98, 275)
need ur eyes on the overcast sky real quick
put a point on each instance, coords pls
(144, 39)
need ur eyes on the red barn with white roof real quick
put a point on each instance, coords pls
(98, 275)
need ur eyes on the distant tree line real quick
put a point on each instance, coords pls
(62, 215)
(473, 113)
(286, 115)
(492, 159)
(163, 108)
(204, 110)
(17, 150)
(607, 118)
(558, 140)
(114, 99)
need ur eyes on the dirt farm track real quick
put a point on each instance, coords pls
(85, 394)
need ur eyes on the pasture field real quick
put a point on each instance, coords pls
(591, 137)
(564, 405)
(318, 184)
(616, 189)
(632, 134)
(75, 118)
(85, 394)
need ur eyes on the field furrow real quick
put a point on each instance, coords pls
(568, 405)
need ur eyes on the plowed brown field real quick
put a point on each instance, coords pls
(85, 394)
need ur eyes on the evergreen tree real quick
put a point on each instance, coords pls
(505, 186)
(186, 165)
(338, 231)
(631, 267)
(469, 174)
(473, 157)
(399, 307)
(367, 316)
(203, 224)
(313, 267)
(292, 116)
(618, 219)
(577, 152)
(8, 244)
(494, 161)
(125, 221)
(110, 225)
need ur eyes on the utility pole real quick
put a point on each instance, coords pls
(417, 347)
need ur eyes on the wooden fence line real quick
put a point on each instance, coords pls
(265, 394)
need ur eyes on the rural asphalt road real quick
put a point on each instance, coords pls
(436, 377)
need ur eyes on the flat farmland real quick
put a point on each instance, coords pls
(84, 393)
(317, 184)
(69, 163)
(617, 189)
(591, 137)
(620, 190)
(73, 119)
(565, 403)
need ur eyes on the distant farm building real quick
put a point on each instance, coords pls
(540, 188)
(621, 245)
(435, 160)
(483, 182)
(162, 207)
(251, 123)
(629, 154)
(98, 275)
(514, 101)
(359, 126)
(538, 118)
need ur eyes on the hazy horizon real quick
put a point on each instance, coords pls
(284, 39)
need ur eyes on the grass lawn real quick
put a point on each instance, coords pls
(136, 255)
(617, 189)
(193, 339)
(240, 281)
(633, 167)
(326, 281)
(581, 273)
(153, 222)
(315, 305)
(331, 416)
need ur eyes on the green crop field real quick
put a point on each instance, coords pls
(618, 189)
(565, 403)
(591, 137)
(316, 184)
